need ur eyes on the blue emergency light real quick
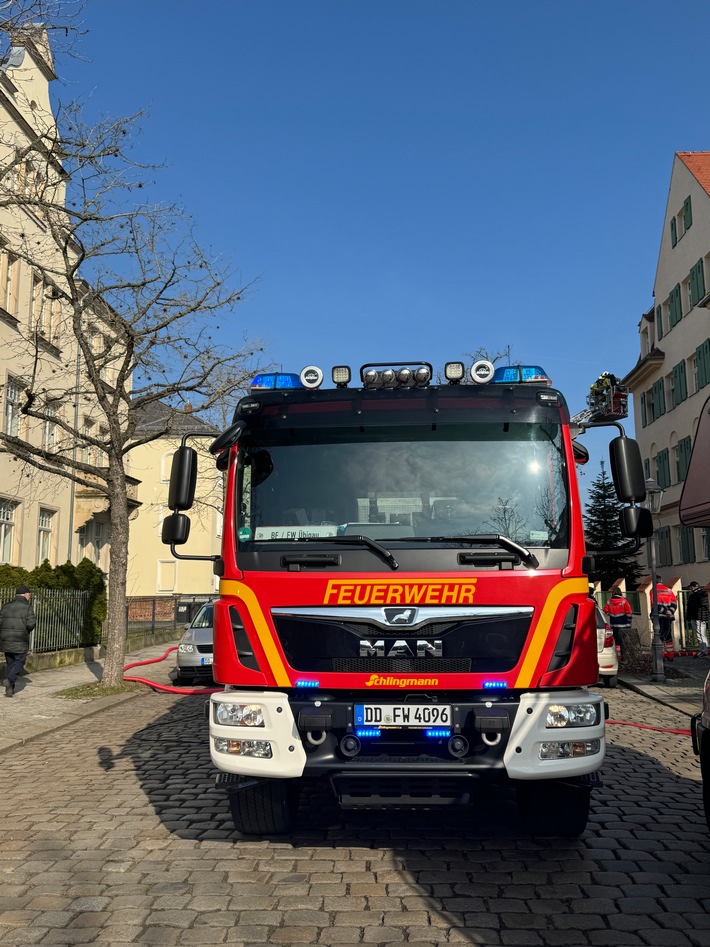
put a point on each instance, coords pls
(305, 683)
(275, 381)
(364, 732)
(515, 374)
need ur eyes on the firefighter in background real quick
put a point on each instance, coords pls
(600, 392)
(619, 612)
(667, 607)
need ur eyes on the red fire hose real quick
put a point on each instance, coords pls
(168, 689)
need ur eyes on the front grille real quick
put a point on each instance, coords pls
(204, 648)
(400, 665)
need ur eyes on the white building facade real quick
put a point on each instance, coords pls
(671, 379)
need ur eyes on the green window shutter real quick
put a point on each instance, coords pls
(700, 278)
(687, 544)
(663, 473)
(659, 399)
(678, 303)
(684, 449)
(674, 387)
(687, 214)
(647, 468)
(683, 381)
(659, 323)
(644, 421)
(694, 286)
(702, 357)
(674, 232)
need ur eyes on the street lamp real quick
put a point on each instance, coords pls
(654, 496)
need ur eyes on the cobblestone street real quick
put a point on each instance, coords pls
(114, 833)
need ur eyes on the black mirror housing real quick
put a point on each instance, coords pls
(176, 529)
(636, 522)
(183, 478)
(627, 470)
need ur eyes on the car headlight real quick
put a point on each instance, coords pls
(569, 750)
(186, 648)
(571, 715)
(260, 749)
(239, 715)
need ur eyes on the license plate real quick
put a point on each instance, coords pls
(208, 660)
(402, 715)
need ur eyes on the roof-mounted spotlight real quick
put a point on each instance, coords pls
(482, 371)
(311, 377)
(422, 375)
(454, 372)
(341, 376)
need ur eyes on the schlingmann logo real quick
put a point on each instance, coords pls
(380, 680)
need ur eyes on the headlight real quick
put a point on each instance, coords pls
(571, 715)
(571, 750)
(239, 715)
(186, 648)
(260, 749)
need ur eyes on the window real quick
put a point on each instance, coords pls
(99, 542)
(682, 458)
(679, 387)
(12, 407)
(49, 427)
(44, 535)
(705, 534)
(663, 469)
(9, 270)
(87, 450)
(686, 540)
(697, 283)
(7, 529)
(647, 469)
(82, 542)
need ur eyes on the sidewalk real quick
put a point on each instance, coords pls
(684, 694)
(37, 709)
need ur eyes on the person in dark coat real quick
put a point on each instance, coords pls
(697, 613)
(17, 619)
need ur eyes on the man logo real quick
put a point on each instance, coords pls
(400, 616)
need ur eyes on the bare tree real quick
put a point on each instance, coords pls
(127, 311)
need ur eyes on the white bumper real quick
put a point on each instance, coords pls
(288, 758)
(522, 754)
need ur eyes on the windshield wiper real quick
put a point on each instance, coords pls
(527, 558)
(347, 540)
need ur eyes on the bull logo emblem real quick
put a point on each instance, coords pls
(400, 616)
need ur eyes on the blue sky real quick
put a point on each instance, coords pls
(406, 179)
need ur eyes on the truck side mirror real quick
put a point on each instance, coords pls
(627, 470)
(695, 498)
(636, 522)
(176, 529)
(183, 477)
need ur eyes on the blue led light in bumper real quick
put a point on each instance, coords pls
(494, 685)
(307, 683)
(437, 733)
(368, 732)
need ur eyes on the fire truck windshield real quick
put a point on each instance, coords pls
(409, 483)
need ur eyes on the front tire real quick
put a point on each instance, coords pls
(266, 808)
(550, 807)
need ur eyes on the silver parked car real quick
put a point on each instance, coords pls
(606, 651)
(195, 652)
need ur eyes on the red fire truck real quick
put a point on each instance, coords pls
(404, 608)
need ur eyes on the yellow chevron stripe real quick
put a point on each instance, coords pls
(561, 591)
(245, 594)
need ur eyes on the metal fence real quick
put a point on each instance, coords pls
(60, 617)
(148, 615)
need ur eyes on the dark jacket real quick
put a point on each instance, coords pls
(17, 619)
(696, 608)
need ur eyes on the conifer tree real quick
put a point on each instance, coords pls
(603, 531)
